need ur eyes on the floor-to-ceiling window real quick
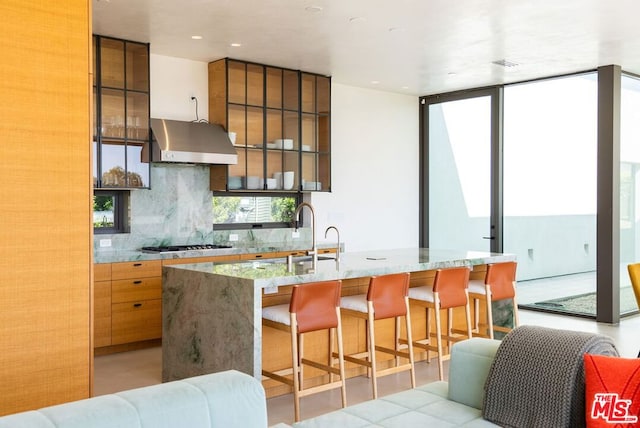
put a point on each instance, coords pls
(550, 190)
(532, 169)
(629, 186)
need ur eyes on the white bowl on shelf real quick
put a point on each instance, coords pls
(254, 182)
(287, 144)
(287, 180)
(312, 185)
(306, 148)
(272, 183)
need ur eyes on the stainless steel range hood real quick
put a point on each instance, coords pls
(189, 142)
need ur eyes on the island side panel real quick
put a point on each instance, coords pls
(210, 323)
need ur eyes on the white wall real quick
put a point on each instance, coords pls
(374, 137)
(375, 170)
(173, 82)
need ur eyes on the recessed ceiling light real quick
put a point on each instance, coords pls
(405, 87)
(196, 37)
(235, 45)
(313, 9)
(375, 82)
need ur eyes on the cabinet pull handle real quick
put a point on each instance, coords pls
(137, 264)
(258, 256)
(137, 282)
(137, 305)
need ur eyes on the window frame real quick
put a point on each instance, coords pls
(120, 208)
(251, 226)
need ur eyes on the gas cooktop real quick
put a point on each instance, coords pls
(177, 248)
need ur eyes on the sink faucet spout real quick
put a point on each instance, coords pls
(338, 232)
(314, 251)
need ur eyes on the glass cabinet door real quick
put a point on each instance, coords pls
(121, 99)
(315, 146)
(280, 119)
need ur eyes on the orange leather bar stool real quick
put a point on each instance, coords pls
(313, 306)
(386, 298)
(499, 284)
(449, 291)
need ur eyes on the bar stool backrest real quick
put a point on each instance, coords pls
(450, 284)
(315, 305)
(501, 276)
(388, 293)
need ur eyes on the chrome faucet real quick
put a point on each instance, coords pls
(314, 251)
(338, 232)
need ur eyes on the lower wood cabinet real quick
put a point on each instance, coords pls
(136, 321)
(127, 304)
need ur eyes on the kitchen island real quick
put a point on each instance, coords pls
(212, 312)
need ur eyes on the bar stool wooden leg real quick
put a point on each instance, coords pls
(467, 312)
(489, 313)
(412, 370)
(295, 364)
(428, 341)
(372, 350)
(341, 362)
(439, 337)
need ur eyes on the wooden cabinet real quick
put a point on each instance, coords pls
(281, 122)
(121, 113)
(102, 305)
(136, 301)
(128, 300)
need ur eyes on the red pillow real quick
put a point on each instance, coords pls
(612, 391)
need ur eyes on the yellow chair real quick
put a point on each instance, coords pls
(634, 274)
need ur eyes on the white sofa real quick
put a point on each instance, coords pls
(226, 399)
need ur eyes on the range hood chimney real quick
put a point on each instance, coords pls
(189, 142)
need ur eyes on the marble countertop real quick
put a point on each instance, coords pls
(270, 273)
(136, 255)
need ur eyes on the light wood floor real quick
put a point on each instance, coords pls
(134, 369)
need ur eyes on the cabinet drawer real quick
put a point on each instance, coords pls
(102, 272)
(102, 313)
(129, 290)
(295, 253)
(136, 321)
(258, 256)
(140, 269)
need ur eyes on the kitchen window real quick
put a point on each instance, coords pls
(109, 211)
(250, 211)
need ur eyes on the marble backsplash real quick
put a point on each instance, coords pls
(178, 210)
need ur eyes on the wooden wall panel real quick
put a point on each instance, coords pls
(45, 203)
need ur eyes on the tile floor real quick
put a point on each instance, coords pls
(128, 370)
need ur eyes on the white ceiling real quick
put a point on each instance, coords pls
(417, 47)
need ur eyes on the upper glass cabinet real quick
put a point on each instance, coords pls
(121, 113)
(278, 120)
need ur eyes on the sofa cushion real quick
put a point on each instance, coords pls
(470, 363)
(426, 406)
(612, 390)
